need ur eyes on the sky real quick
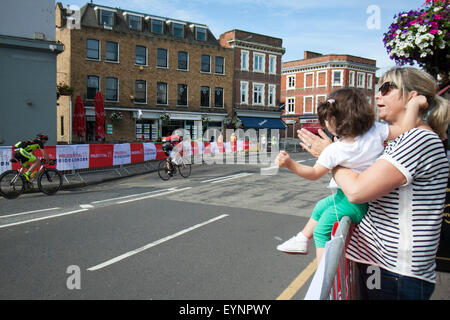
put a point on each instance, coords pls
(354, 27)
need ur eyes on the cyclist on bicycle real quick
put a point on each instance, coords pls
(168, 144)
(24, 153)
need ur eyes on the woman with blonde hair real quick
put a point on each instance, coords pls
(405, 188)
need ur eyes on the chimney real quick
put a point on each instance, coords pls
(310, 55)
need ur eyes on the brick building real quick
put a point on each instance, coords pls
(257, 77)
(307, 82)
(145, 66)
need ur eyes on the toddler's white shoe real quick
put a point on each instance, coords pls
(294, 246)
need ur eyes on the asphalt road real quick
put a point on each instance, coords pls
(211, 236)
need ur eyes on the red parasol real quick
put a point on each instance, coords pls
(99, 116)
(79, 121)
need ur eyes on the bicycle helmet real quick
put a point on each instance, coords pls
(42, 137)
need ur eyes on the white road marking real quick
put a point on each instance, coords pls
(42, 218)
(231, 178)
(153, 244)
(28, 212)
(130, 196)
(173, 190)
(86, 206)
(234, 176)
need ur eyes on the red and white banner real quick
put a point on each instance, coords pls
(83, 156)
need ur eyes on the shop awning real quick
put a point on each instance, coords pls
(262, 123)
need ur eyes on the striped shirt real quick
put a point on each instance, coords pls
(401, 230)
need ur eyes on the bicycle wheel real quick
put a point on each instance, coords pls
(12, 184)
(163, 172)
(184, 169)
(50, 181)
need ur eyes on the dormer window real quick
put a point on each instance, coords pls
(200, 33)
(178, 30)
(134, 21)
(106, 17)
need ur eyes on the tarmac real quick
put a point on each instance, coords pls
(84, 178)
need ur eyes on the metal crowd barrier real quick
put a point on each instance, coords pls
(336, 277)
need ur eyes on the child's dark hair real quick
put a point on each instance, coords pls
(352, 113)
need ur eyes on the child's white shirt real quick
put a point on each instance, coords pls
(359, 155)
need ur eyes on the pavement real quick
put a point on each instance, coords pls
(91, 177)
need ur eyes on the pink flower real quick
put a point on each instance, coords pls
(413, 22)
(438, 16)
(433, 31)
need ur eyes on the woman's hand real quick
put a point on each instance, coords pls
(312, 143)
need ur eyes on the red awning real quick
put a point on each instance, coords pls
(312, 127)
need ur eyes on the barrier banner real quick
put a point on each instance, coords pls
(206, 148)
(149, 151)
(221, 147)
(5, 156)
(240, 145)
(122, 154)
(195, 148)
(214, 148)
(137, 152)
(101, 155)
(187, 149)
(159, 152)
(72, 157)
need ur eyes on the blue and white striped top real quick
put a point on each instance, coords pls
(401, 230)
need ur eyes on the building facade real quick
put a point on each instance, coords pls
(257, 78)
(28, 53)
(158, 74)
(307, 82)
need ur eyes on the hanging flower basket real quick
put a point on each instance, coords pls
(421, 36)
(63, 90)
(165, 118)
(116, 116)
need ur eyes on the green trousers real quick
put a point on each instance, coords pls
(327, 211)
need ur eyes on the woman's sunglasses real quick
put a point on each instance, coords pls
(386, 87)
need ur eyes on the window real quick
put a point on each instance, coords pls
(146, 130)
(182, 60)
(206, 63)
(140, 55)
(161, 93)
(272, 95)
(244, 92)
(218, 98)
(309, 80)
(290, 82)
(337, 78)
(157, 26)
(178, 30)
(244, 60)
(107, 18)
(272, 64)
(140, 91)
(182, 93)
(369, 80)
(112, 51)
(219, 67)
(204, 97)
(135, 22)
(112, 89)
(290, 103)
(200, 33)
(161, 58)
(308, 104)
(360, 79)
(258, 62)
(92, 49)
(62, 125)
(351, 78)
(321, 79)
(258, 93)
(92, 87)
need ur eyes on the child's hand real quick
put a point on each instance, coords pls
(283, 159)
(418, 101)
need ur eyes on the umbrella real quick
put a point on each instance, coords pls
(99, 116)
(79, 122)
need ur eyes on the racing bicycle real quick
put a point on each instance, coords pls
(13, 183)
(184, 168)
